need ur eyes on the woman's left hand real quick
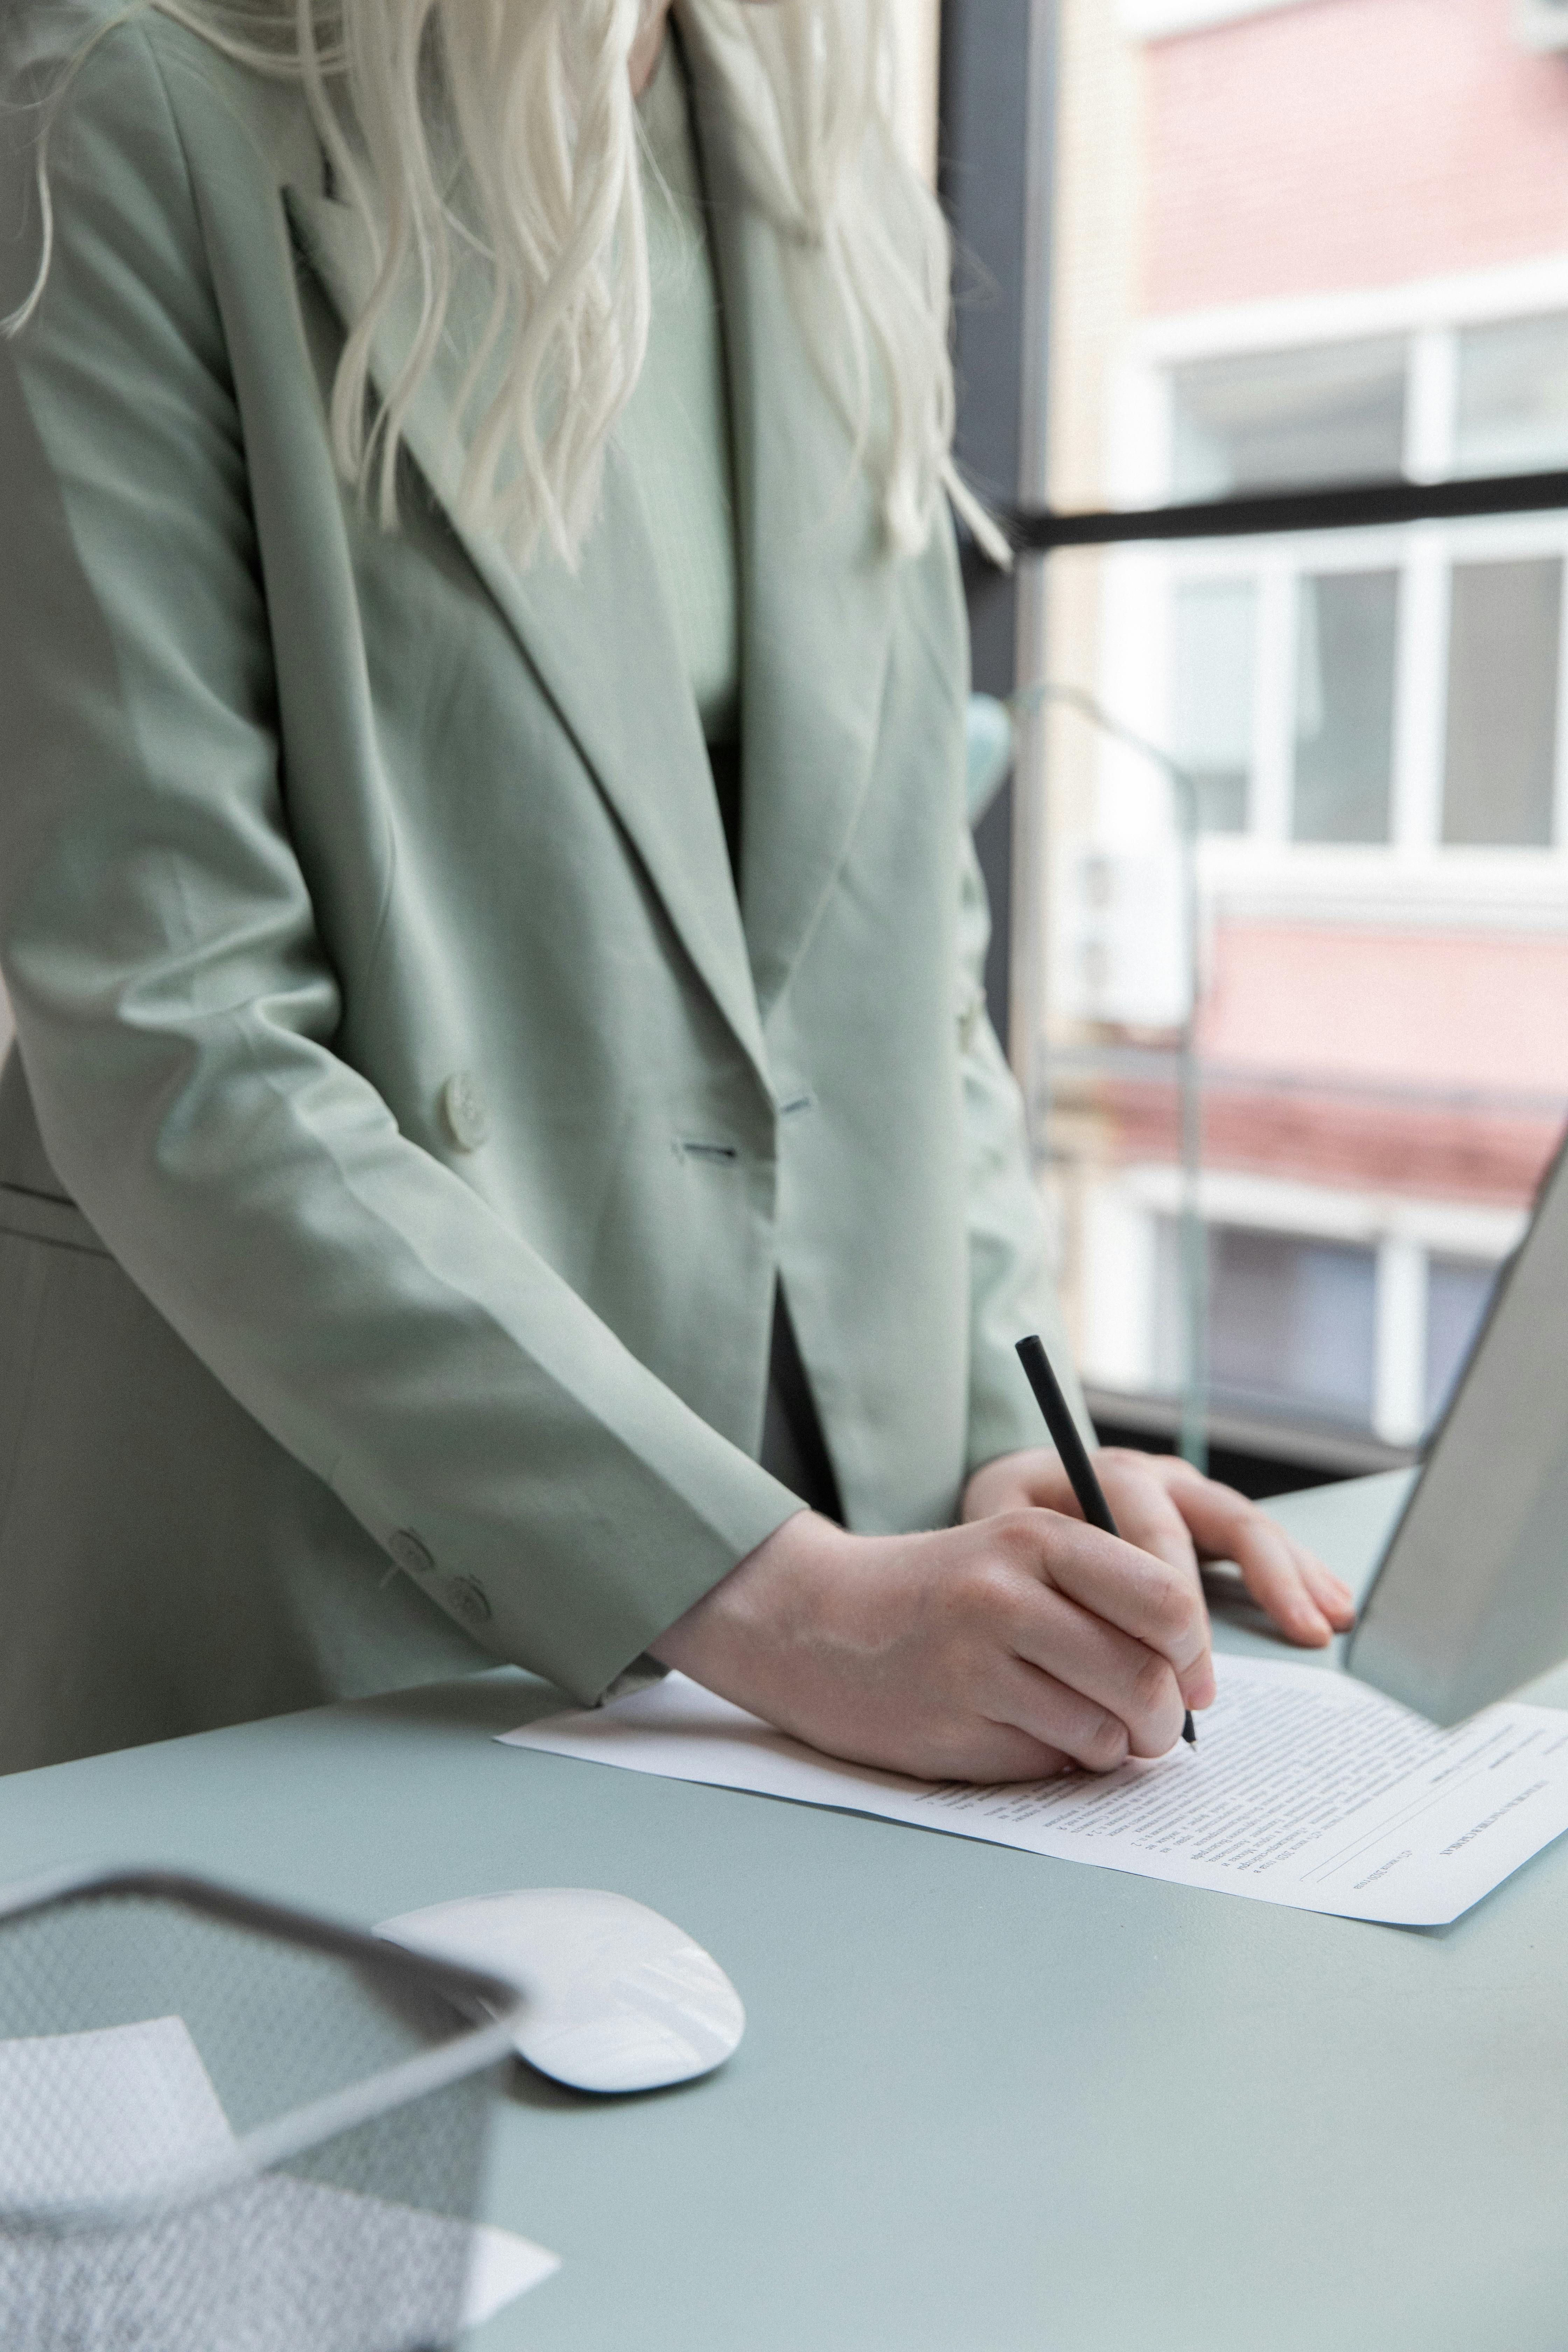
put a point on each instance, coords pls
(1167, 1508)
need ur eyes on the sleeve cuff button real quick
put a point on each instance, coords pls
(409, 1553)
(468, 1596)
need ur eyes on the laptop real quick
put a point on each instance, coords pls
(1471, 1598)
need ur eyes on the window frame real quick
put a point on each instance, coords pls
(1418, 872)
(1405, 1233)
(1425, 557)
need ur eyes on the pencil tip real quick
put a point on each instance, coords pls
(1188, 1733)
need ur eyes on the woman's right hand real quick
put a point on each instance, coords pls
(998, 1651)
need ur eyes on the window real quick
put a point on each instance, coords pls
(1512, 411)
(1250, 292)
(1260, 421)
(1214, 661)
(1292, 1323)
(1505, 628)
(1345, 632)
(1370, 1336)
(1411, 702)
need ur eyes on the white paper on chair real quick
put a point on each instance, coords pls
(106, 2115)
(1305, 1788)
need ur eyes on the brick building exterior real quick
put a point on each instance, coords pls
(1337, 248)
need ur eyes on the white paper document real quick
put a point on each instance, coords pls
(112, 2114)
(1305, 1787)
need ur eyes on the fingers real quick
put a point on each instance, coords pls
(1305, 1600)
(1062, 1720)
(1095, 1692)
(1156, 1602)
(1016, 1482)
(1145, 1510)
(1331, 1593)
(989, 1751)
(1162, 1504)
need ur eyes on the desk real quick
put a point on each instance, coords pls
(986, 2103)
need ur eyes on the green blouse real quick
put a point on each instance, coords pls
(676, 427)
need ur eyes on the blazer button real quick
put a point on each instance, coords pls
(409, 1553)
(465, 1111)
(469, 1597)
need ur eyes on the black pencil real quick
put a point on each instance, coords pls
(1074, 1454)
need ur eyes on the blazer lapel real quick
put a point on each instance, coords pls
(818, 587)
(600, 641)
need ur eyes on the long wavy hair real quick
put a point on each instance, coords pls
(504, 133)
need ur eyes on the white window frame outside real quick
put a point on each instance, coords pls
(1122, 1214)
(1415, 868)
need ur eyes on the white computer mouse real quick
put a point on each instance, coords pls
(620, 1999)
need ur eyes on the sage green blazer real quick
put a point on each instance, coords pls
(408, 1127)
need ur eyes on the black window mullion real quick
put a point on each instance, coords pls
(1349, 506)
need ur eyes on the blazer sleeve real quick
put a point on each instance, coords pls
(175, 1011)
(1011, 1287)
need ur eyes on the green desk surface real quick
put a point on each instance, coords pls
(986, 2103)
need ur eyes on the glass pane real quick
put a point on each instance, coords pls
(1326, 413)
(1292, 1323)
(1457, 1290)
(1501, 771)
(1213, 662)
(1346, 626)
(1513, 397)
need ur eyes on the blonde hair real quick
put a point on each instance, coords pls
(503, 133)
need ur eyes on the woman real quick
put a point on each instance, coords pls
(484, 898)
